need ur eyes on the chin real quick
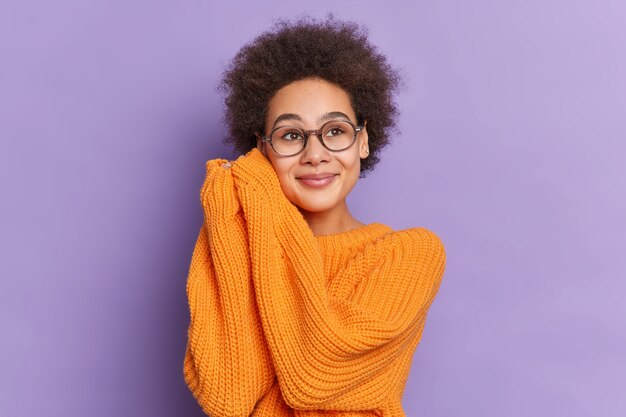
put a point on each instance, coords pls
(317, 206)
(313, 209)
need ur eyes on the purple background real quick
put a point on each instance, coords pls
(512, 150)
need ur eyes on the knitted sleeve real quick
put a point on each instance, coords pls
(227, 365)
(333, 348)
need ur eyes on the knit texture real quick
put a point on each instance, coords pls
(285, 323)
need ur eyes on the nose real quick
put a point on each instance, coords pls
(314, 152)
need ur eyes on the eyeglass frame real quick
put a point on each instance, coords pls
(318, 133)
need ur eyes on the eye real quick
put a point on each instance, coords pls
(291, 136)
(335, 131)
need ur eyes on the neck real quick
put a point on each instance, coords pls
(336, 220)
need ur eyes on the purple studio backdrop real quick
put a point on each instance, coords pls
(511, 149)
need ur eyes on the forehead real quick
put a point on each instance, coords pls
(310, 99)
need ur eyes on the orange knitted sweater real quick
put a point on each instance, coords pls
(285, 323)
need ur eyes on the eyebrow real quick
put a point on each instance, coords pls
(325, 117)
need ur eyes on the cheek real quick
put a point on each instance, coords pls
(352, 165)
(283, 172)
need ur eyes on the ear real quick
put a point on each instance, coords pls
(260, 144)
(364, 142)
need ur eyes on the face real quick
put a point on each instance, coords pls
(308, 104)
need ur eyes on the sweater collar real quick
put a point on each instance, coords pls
(352, 237)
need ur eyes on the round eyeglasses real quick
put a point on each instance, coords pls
(335, 135)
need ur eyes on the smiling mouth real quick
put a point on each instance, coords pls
(317, 182)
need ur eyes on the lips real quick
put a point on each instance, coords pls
(317, 180)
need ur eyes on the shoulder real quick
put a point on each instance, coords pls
(415, 251)
(418, 238)
(413, 248)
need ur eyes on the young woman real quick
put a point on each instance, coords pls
(298, 308)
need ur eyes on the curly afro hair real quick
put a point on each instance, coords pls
(336, 51)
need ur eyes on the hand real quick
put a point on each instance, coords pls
(226, 165)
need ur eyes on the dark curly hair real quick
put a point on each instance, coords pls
(336, 51)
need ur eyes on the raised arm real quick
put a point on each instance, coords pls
(333, 348)
(227, 364)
